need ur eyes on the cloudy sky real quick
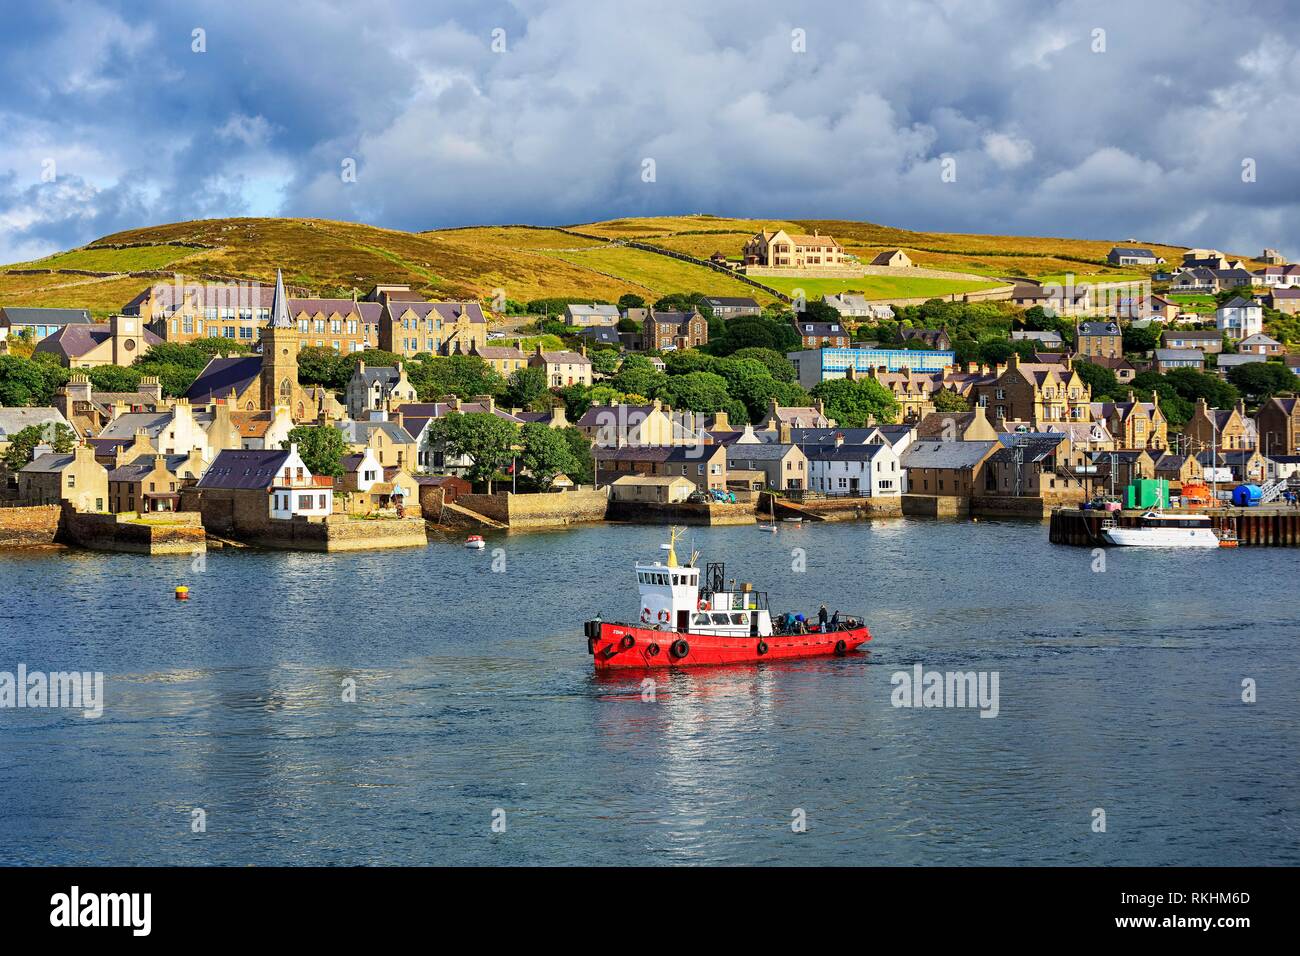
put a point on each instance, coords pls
(1165, 122)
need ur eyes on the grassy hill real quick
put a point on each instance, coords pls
(587, 261)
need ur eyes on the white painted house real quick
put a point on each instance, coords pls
(867, 470)
(1239, 318)
(279, 477)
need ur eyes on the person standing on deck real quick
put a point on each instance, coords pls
(821, 617)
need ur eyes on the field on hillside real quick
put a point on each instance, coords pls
(139, 259)
(878, 287)
(329, 258)
(660, 275)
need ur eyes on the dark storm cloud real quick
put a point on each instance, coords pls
(1049, 134)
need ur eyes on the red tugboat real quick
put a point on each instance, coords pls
(688, 622)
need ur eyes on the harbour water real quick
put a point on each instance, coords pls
(1119, 689)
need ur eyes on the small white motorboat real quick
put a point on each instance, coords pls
(476, 542)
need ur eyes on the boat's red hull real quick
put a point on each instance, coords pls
(623, 645)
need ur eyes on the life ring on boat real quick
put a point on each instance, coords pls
(664, 616)
(628, 641)
(761, 648)
(645, 615)
(679, 648)
(702, 605)
(841, 647)
(652, 650)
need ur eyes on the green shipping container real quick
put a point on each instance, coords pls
(1147, 493)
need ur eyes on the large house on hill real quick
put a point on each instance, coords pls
(782, 250)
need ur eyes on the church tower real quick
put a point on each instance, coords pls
(280, 354)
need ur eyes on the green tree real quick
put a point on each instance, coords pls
(1261, 380)
(946, 400)
(780, 367)
(1141, 339)
(463, 375)
(57, 435)
(1101, 380)
(22, 382)
(526, 386)
(851, 402)
(321, 448)
(604, 361)
(697, 391)
(485, 439)
(322, 365)
(545, 453)
(114, 378)
(584, 466)
(637, 375)
(629, 300)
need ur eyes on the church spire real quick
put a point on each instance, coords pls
(280, 305)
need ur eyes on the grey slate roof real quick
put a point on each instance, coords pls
(946, 454)
(761, 451)
(359, 432)
(222, 375)
(33, 315)
(244, 468)
(48, 463)
(845, 452)
(15, 418)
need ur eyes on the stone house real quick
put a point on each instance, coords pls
(817, 335)
(1036, 393)
(784, 467)
(410, 328)
(1209, 341)
(1279, 426)
(377, 388)
(653, 489)
(893, 258)
(1099, 338)
(244, 489)
(585, 315)
(76, 478)
(653, 424)
(391, 443)
(152, 483)
(705, 465)
(119, 341)
(1134, 424)
(665, 331)
(947, 468)
(508, 359)
(782, 250)
(562, 367)
(1229, 430)
(1036, 465)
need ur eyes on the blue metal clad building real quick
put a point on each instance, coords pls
(818, 365)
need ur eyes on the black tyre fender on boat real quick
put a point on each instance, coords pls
(591, 645)
(628, 641)
(652, 650)
(841, 647)
(679, 648)
(761, 648)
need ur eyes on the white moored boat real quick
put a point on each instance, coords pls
(1156, 530)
